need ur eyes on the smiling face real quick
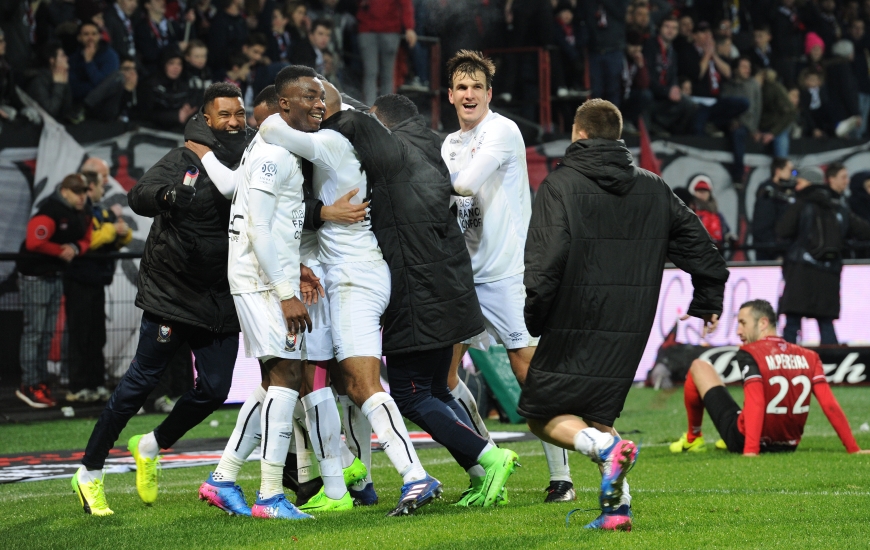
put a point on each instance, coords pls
(225, 114)
(471, 98)
(303, 104)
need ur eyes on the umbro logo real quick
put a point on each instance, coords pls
(515, 336)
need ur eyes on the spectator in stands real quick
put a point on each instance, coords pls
(605, 24)
(686, 28)
(761, 54)
(302, 52)
(637, 99)
(9, 102)
(821, 18)
(84, 287)
(259, 76)
(778, 113)
(93, 72)
(640, 20)
(818, 225)
(673, 112)
(342, 22)
(861, 68)
(786, 30)
(238, 72)
(227, 33)
(154, 32)
(58, 232)
(708, 72)
(569, 35)
(772, 199)
(814, 48)
(279, 49)
(55, 20)
(165, 95)
(725, 49)
(844, 88)
(50, 85)
(381, 24)
(118, 19)
(128, 106)
(197, 71)
(320, 36)
(205, 11)
(16, 34)
(707, 209)
(820, 116)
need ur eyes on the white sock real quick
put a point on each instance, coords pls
(277, 424)
(387, 422)
(148, 446)
(87, 476)
(324, 431)
(306, 462)
(626, 497)
(245, 438)
(462, 394)
(358, 437)
(347, 456)
(476, 471)
(489, 447)
(557, 460)
(591, 442)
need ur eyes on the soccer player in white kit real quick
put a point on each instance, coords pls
(264, 271)
(357, 283)
(322, 416)
(487, 162)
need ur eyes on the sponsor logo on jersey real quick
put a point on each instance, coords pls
(270, 168)
(163, 333)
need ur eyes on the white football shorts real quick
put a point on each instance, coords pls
(358, 295)
(502, 304)
(318, 342)
(264, 328)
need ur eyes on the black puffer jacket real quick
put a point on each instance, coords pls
(812, 287)
(183, 274)
(599, 236)
(432, 303)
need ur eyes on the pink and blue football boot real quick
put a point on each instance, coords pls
(617, 520)
(617, 461)
(225, 495)
(277, 507)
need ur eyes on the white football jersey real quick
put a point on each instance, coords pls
(495, 221)
(276, 171)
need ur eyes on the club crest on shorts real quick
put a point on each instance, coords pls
(291, 341)
(163, 333)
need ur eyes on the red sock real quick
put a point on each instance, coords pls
(694, 409)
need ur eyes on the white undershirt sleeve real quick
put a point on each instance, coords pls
(224, 179)
(275, 131)
(469, 180)
(261, 209)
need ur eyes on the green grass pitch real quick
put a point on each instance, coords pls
(818, 497)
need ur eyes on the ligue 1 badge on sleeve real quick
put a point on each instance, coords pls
(163, 333)
(290, 343)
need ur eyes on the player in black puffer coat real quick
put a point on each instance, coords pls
(183, 292)
(600, 233)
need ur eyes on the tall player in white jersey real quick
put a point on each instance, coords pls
(357, 283)
(487, 163)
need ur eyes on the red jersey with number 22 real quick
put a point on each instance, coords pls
(787, 373)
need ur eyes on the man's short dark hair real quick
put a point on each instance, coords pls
(669, 17)
(833, 169)
(468, 62)
(257, 39)
(237, 60)
(395, 108)
(761, 308)
(765, 28)
(321, 22)
(220, 89)
(777, 164)
(600, 119)
(194, 44)
(291, 74)
(267, 96)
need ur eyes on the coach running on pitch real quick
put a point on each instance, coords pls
(600, 233)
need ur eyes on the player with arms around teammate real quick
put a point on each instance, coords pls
(357, 282)
(778, 378)
(185, 297)
(487, 163)
(600, 232)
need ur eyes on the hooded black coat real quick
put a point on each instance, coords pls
(183, 272)
(432, 301)
(812, 287)
(600, 233)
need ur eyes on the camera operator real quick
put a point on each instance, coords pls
(773, 198)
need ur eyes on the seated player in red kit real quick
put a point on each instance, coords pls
(778, 378)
